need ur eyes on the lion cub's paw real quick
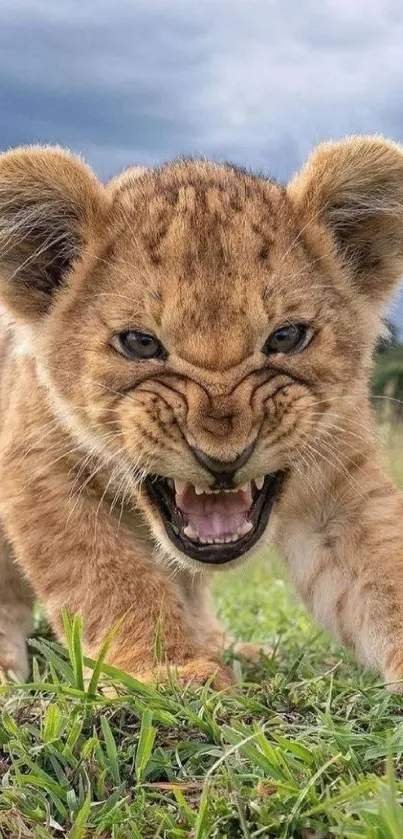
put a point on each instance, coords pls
(393, 672)
(13, 654)
(252, 652)
(394, 682)
(199, 671)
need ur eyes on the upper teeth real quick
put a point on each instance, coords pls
(181, 485)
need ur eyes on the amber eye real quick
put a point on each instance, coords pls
(291, 338)
(138, 346)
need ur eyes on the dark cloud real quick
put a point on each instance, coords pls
(257, 82)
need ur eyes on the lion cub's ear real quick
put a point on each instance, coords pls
(355, 188)
(51, 205)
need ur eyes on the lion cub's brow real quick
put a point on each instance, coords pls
(203, 244)
(197, 212)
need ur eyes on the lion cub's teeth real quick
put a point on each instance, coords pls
(179, 486)
(259, 482)
(246, 528)
(199, 490)
(190, 532)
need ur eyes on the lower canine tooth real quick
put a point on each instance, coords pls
(190, 532)
(246, 528)
(244, 488)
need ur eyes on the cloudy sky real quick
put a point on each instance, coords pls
(258, 82)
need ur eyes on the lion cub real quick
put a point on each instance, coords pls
(185, 361)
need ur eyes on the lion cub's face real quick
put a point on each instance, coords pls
(198, 326)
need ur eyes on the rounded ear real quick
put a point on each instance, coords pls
(51, 206)
(355, 188)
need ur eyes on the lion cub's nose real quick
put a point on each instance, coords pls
(223, 471)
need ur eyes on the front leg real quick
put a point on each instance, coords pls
(209, 630)
(74, 555)
(16, 618)
(349, 572)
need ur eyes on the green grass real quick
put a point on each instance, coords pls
(308, 746)
(392, 438)
(388, 373)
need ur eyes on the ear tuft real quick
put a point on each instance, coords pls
(50, 205)
(355, 188)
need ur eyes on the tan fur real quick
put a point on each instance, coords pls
(211, 260)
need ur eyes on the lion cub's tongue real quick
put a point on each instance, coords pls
(215, 517)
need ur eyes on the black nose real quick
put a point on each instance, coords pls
(223, 470)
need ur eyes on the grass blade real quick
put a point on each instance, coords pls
(145, 745)
(78, 829)
(111, 750)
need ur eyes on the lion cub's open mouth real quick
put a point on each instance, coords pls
(214, 526)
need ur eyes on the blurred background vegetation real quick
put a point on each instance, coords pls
(387, 380)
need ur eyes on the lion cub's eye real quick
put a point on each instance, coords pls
(138, 346)
(291, 338)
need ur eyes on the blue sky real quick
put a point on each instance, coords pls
(258, 82)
